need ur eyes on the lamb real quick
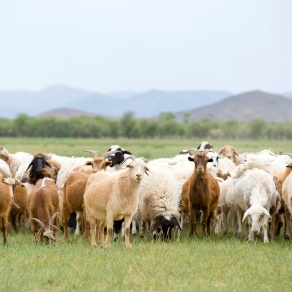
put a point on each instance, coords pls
(14, 160)
(200, 193)
(256, 196)
(74, 188)
(113, 196)
(230, 153)
(159, 201)
(43, 208)
(220, 163)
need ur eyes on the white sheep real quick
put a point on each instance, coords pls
(159, 201)
(256, 196)
(14, 160)
(113, 196)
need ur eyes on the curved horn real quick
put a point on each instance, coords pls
(129, 157)
(108, 153)
(52, 220)
(93, 152)
(3, 173)
(29, 166)
(42, 225)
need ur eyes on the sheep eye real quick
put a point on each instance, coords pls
(261, 217)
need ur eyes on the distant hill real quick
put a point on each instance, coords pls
(145, 104)
(243, 107)
(65, 113)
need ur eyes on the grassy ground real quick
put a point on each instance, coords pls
(186, 264)
(149, 148)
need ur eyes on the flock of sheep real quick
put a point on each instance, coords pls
(116, 191)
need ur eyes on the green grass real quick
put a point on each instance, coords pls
(149, 148)
(185, 264)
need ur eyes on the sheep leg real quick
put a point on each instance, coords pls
(127, 222)
(92, 232)
(66, 217)
(100, 232)
(3, 229)
(225, 221)
(110, 227)
(22, 218)
(265, 230)
(134, 227)
(78, 223)
(140, 223)
(204, 222)
(193, 220)
(287, 223)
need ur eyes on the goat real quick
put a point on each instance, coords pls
(18, 212)
(43, 208)
(113, 196)
(278, 220)
(230, 153)
(74, 188)
(205, 146)
(6, 200)
(200, 193)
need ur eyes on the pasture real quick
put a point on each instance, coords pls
(216, 263)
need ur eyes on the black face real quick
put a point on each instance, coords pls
(118, 157)
(166, 226)
(36, 166)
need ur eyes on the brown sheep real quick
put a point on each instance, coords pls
(200, 193)
(74, 188)
(43, 206)
(18, 213)
(229, 152)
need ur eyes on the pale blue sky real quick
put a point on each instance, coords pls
(107, 46)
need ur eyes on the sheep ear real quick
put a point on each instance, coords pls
(267, 214)
(108, 163)
(190, 158)
(88, 163)
(210, 159)
(245, 215)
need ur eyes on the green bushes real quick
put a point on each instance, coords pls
(165, 126)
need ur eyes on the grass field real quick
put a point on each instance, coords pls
(183, 264)
(149, 148)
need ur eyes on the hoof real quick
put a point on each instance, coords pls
(287, 237)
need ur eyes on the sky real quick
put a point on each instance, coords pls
(138, 45)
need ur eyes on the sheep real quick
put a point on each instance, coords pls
(74, 188)
(256, 196)
(230, 153)
(43, 208)
(205, 146)
(119, 155)
(278, 220)
(14, 160)
(220, 163)
(287, 198)
(159, 201)
(200, 193)
(35, 168)
(113, 196)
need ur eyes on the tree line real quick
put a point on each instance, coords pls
(165, 126)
